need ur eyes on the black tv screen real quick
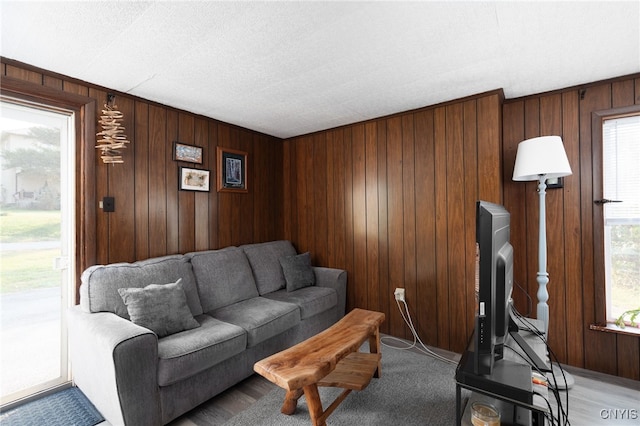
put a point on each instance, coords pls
(494, 283)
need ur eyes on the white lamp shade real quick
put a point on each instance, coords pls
(544, 155)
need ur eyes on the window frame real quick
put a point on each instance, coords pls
(84, 108)
(597, 121)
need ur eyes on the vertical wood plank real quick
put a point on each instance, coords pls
(489, 148)
(409, 214)
(102, 190)
(214, 218)
(426, 275)
(233, 200)
(573, 234)
(81, 89)
(470, 162)
(442, 225)
(186, 199)
(224, 204)
(171, 171)
(340, 187)
(628, 349)
(303, 152)
(514, 194)
(121, 186)
(455, 205)
(331, 201)
(53, 82)
(360, 215)
(348, 218)
(245, 201)
(395, 215)
(320, 198)
(201, 214)
(383, 223)
(141, 178)
(622, 93)
(157, 181)
(371, 207)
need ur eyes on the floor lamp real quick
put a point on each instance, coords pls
(540, 159)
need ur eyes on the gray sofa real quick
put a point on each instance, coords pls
(248, 302)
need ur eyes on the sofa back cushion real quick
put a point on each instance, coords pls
(265, 263)
(223, 277)
(100, 283)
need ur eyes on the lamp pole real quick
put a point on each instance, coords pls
(538, 159)
(543, 276)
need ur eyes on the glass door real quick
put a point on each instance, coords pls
(36, 247)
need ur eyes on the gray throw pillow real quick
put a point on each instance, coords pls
(298, 272)
(162, 308)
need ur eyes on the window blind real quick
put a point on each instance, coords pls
(621, 157)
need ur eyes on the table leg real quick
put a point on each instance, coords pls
(315, 405)
(291, 401)
(374, 348)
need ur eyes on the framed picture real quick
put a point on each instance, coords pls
(188, 153)
(232, 170)
(194, 179)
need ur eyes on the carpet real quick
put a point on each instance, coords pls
(68, 407)
(413, 389)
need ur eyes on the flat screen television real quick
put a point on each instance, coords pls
(494, 284)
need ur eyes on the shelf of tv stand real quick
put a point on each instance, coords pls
(509, 384)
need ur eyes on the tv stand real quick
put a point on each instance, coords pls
(509, 387)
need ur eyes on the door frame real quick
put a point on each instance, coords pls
(84, 109)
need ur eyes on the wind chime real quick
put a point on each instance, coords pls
(112, 138)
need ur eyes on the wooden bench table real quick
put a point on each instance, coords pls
(329, 359)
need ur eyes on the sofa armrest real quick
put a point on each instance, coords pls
(114, 362)
(335, 279)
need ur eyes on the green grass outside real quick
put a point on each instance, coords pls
(17, 226)
(28, 269)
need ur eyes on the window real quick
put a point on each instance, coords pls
(621, 213)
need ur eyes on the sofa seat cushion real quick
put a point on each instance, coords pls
(261, 318)
(265, 263)
(311, 300)
(187, 353)
(224, 277)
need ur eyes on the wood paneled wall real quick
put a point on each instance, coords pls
(570, 234)
(392, 201)
(153, 217)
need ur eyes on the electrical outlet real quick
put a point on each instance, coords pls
(399, 294)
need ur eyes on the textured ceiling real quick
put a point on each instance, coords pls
(291, 68)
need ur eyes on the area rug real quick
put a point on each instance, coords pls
(65, 408)
(413, 389)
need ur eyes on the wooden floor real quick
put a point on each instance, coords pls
(592, 393)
